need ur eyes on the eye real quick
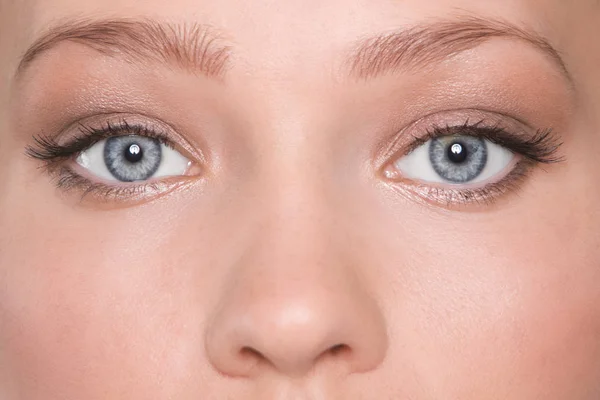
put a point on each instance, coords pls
(455, 159)
(132, 158)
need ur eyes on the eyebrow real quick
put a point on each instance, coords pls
(424, 45)
(193, 47)
(202, 49)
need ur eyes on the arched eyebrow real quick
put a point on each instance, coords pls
(193, 47)
(423, 45)
(202, 49)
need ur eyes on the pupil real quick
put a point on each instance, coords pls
(134, 153)
(457, 153)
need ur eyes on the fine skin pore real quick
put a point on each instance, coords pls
(294, 258)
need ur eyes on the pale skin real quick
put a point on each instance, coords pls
(286, 263)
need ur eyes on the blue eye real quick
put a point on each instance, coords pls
(132, 158)
(458, 160)
(455, 159)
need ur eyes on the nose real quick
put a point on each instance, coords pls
(295, 312)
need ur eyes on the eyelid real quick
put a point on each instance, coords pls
(143, 125)
(104, 196)
(81, 135)
(417, 132)
(60, 161)
(529, 146)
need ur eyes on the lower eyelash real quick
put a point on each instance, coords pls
(485, 196)
(68, 181)
(56, 157)
(542, 148)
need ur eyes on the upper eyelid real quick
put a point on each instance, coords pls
(476, 129)
(454, 117)
(124, 128)
(143, 124)
(402, 138)
(536, 145)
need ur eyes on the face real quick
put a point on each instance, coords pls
(275, 200)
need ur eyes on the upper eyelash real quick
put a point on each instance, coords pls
(47, 148)
(541, 148)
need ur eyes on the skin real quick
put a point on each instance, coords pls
(292, 269)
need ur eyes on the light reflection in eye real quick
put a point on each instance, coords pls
(455, 159)
(132, 158)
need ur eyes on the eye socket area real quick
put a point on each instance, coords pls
(453, 161)
(132, 159)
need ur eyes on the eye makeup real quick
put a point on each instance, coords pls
(529, 148)
(61, 158)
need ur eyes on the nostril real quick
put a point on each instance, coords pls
(339, 349)
(338, 352)
(249, 352)
(295, 333)
(255, 357)
(251, 358)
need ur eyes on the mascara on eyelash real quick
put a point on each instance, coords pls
(47, 148)
(539, 148)
(542, 147)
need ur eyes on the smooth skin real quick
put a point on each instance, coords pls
(292, 269)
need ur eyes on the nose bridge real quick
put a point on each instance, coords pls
(294, 186)
(294, 300)
(300, 246)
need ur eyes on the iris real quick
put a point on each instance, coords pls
(132, 158)
(458, 159)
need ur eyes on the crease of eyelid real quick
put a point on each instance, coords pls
(189, 45)
(485, 117)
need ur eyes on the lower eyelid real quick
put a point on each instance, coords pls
(450, 197)
(110, 195)
(394, 177)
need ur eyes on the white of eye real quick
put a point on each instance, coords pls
(417, 165)
(172, 162)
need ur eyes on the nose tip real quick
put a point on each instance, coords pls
(290, 342)
(295, 335)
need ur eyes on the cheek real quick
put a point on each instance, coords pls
(97, 302)
(508, 301)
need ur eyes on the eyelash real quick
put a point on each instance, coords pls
(541, 148)
(47, 149)
(54, 154)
